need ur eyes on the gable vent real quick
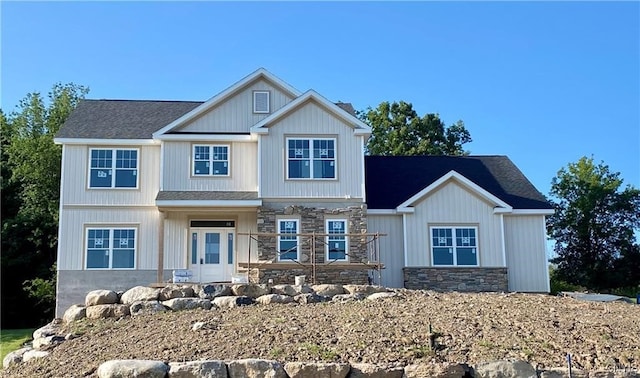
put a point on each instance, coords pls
(261, 101)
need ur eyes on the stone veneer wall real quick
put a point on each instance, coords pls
(457, 279)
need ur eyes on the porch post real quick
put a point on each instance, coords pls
(160, 276)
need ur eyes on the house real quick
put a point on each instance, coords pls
(266, 181)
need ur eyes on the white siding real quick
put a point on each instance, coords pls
(311, 120)
(71, 246)
(76, 171)
(525, 241)
(391, 247)
(243, 172)
(453, 205)
(236, 113)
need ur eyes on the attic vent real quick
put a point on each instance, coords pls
(261, 101)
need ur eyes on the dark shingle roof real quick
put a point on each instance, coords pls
(391, 180)
(205, 196)
(347, 107)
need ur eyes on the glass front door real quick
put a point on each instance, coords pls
(211, 254)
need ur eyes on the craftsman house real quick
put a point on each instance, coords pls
(266, 183)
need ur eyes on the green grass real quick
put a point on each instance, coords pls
(12, 339)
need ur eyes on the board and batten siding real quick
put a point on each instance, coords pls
(243, 170)
(453, 205)
(236, 113)
(525, 240)
(391, 248)
(308, 121)
(75, 221)
(76, 178)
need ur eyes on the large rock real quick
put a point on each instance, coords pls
(376, 296)
(214, 291)
(139, 293)
(32, 354)
(197, 369)
(146, 308)
(107, 311)
(14, 357)
(47, 342)
(232, 301)
(375, 371)
(434, 370)
(291, 290)
(177, 304)
(364, 289)
(250, 290)
(73, 313)
(255, 368)
(505, 369)
(316, 370)
(274, 298)
(328, 290)
(348, 297)
(50, 329)
(563, 373)
(98, 297)
(308, 298)
(175, 291)
(133, 368)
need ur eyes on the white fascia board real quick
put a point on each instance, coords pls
(382, 212)
(502, 210)
(105, 142)
(261, 72)
(533, 212)
(405, 210)
(209, 137)
(208, 203)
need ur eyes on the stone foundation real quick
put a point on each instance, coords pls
(343, 274)
(456, 279)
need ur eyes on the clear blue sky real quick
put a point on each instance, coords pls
(542, 82)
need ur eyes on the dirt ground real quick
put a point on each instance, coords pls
(469, 328)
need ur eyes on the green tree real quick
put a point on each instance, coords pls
(397, 129)
(593, 227)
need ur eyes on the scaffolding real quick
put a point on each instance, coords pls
(311, 241)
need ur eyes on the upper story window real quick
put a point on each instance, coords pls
(210, 160)
(336, 240)
(454, 246)
(261, 102)
(111, 248)
(311, 158)
(288, 239)
(113, 168)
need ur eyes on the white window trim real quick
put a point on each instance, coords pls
(210, 146)
(297, 221)
(311, 159)
(257, 111)
(455, 258)
(110, 228)
(346, 239)
(113, 169)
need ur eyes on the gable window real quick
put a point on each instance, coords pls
(288, 240)
(454, 246)
(336, 240)
(210, 160)
(111, 248)
(261, 101)
(113, 168)
(311, 158)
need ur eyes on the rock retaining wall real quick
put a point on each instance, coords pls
(456, 279)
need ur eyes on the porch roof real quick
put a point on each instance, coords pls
(168, 198)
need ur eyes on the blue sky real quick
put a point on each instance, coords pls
(542, 82)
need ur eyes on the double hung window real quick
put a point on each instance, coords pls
(336, 240)
(210, 160)
(288, 240)
(113, 168)
(454, 246)
(111, 248)
(311, 158)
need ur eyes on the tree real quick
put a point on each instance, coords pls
(30, 200)
(398, 130)
(593, 227)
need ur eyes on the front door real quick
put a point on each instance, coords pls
(211, 254)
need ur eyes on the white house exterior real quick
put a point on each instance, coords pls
(149, 187)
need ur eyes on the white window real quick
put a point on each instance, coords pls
(451, 246)
(210, 160)
(113, 168)
(261, 101)
(311, 158)
(288, 240)
(337, 242)
(111, 248)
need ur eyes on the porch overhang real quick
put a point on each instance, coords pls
(166, 200)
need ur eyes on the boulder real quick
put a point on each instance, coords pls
(73, 313)
(133, 368)
(435, 370)
(255, 368)
(364, 289)
(232, 301)
(146, 308)
(327, 290)
(177, 304)
(49, 329)
(47, 342)
(563, 373)
(250, 290)
(107, 311)
(375, 371)
(175, 291)
(197, 369)
(98, 297)
(316, 370)
(274, 298)
(214, 291)
(348, 297)
(139, 293)
(14, 357)
(310, 298)
(291, 290)
(377, 296)
(32, 354)
(505, 369)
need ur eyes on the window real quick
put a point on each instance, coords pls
(210, 160)
(336, 240)
(111, 248)
(113, 168)
(454, 246)
(288, 240)
(311, 158)
(261, 101)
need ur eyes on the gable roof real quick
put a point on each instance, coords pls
(497, 175)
